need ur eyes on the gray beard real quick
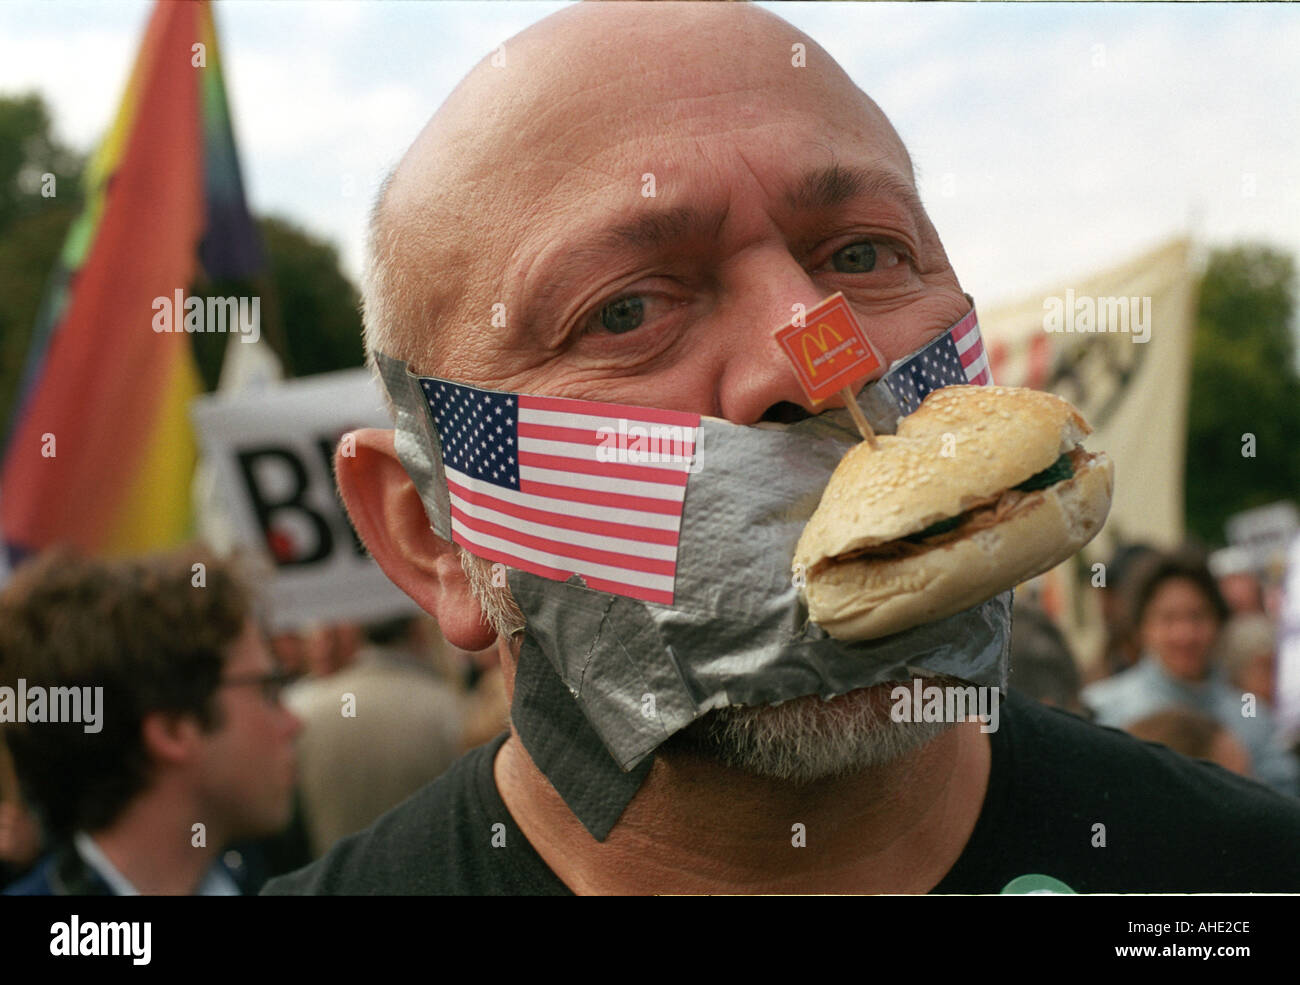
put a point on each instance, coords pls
(808, 739)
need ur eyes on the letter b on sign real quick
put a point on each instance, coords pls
(258, 468)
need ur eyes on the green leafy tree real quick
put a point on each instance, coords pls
(318, 306)
(28, 152)
(1244, 383)
(33, 223)
(28, 248)
(310, 311)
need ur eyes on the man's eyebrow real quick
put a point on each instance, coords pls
(653, 230)
(825, 188)
(817, 189)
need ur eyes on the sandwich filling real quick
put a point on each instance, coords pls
(980, 515)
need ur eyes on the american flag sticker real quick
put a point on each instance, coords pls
(956, 357)
(559, 487)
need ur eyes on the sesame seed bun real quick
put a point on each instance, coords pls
(960, 452)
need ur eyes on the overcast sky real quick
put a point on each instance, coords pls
(1051, 139)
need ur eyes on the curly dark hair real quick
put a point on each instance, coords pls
(149, 632)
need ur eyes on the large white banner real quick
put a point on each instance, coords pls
(1118, 345)
(271, 453)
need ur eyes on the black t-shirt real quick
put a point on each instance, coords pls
(1092, 807)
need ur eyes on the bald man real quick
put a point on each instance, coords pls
(776, 183)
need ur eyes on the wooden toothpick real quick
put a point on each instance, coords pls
(860, 419)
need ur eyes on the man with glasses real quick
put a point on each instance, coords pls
(190, 750)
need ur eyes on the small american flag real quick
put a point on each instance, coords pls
(957, 356)
(559, 487)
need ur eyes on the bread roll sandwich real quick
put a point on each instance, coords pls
(981, 488)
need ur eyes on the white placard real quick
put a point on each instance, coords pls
(271, 452)
(1264, 532)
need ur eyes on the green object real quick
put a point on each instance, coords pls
(942, 527)
(1035, 884)
(1058, 471)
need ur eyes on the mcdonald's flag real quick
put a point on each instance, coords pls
(100, 454)
(828, 349)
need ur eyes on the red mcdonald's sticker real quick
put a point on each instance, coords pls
(829, 350)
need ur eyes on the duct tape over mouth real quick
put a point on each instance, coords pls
(603, 678)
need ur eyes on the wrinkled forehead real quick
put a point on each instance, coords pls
(553, 112)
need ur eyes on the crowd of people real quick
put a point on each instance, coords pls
(227, 755)
(1190, 661)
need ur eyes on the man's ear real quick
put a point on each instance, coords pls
(170, 737)
(386, 510)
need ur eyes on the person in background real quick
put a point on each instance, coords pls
(376, 730)
(190, 749)
(289, 647)
(1238, 582)
(1247, 651)
(1042, 665)
(1179, 615)
(1122, 646)
(1243, 592)
(21, 839)
(1195, 735)
(331, 647)
(487, 710)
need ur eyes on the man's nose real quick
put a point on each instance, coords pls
(758, 382)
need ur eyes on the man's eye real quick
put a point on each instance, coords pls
(863, 257)
(631, 312)
(622, 315)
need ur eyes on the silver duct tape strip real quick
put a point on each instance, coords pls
(738, 632)
(880, 407)
(416, 442)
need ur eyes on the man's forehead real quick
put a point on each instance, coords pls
(563, 98)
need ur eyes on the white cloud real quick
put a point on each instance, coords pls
(1058, 165)
(81, 76)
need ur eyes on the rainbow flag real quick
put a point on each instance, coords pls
(100, 453)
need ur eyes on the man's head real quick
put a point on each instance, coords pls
(621, 205)
(1194, 734)
(1247, 651)
(185, 705)
(1042, 665)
